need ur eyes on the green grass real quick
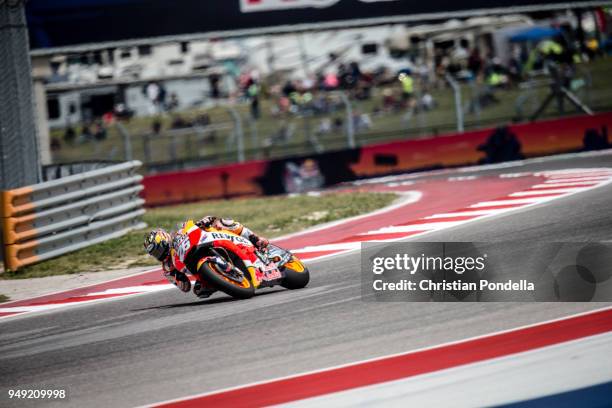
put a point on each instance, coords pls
(4, 298)
(270, 217)
(386, 127)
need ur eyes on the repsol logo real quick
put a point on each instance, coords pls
(229, 237)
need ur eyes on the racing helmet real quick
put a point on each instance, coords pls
(157, 244)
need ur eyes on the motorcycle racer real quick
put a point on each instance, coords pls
(158, 243)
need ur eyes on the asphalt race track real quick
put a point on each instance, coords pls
(154, 347)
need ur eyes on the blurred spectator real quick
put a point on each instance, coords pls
(156, 94)
(496, 76)
(427, 102)
(55, 144)
(502, 145)
(355, 72)
(253, 94)
(202, 119)
(289, 88)
(407, 88)
(215, 92)
(86, 133)
(515, 66)
(121, 111)
(475, 63)
(546, 51)
(338, 125)
(308, 84)
(331, 81)
(284, 134)
(156, 126)
(178, 122)
(343, 76)
(389, 101)
(69, 134)
(594, 140)
(99, 130)
(362, 122)
(325, 127)
(108, 118)
(173, 104)
(592, 47)
(284, 104)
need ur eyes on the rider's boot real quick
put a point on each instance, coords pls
(202, 291)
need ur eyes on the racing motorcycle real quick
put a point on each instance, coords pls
(207, 254)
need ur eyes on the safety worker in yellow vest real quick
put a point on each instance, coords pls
(407, 88)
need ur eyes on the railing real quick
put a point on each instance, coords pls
(227, 131)
(53, 218)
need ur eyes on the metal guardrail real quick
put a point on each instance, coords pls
(45, 220)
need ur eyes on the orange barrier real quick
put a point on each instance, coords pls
(49, 219)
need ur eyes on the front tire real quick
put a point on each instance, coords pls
(210, 274)
(297, 275)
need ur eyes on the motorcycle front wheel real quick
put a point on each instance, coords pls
(297, 275)
(211, 274)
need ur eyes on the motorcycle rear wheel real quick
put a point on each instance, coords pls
(297, 275)
(210, 273)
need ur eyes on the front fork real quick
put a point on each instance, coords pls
(254, 273)
(217, 260)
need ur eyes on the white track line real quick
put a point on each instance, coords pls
(567, 184)
(415, 227)
(407, 198)
(513, 201)
(602, 170)
(579, 178)
(469, 213)
(133, 289)
(40, 308)
(330, 247)
(557, 191)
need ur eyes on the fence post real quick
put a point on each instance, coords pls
(350, 126)
(238, 132)
(254, 134)
(173, 146)
(458, 103)
(475, 104)
(146, 147)
(127, 141)
(19, 158)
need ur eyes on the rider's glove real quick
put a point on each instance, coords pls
(180, 280)
(261, 243)
(206, 222)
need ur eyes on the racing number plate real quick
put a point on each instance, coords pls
(181, 246)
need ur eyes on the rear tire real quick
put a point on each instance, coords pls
(297, 275)
(220, 282)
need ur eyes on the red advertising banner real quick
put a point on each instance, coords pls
(536, 139)
(481, 146)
